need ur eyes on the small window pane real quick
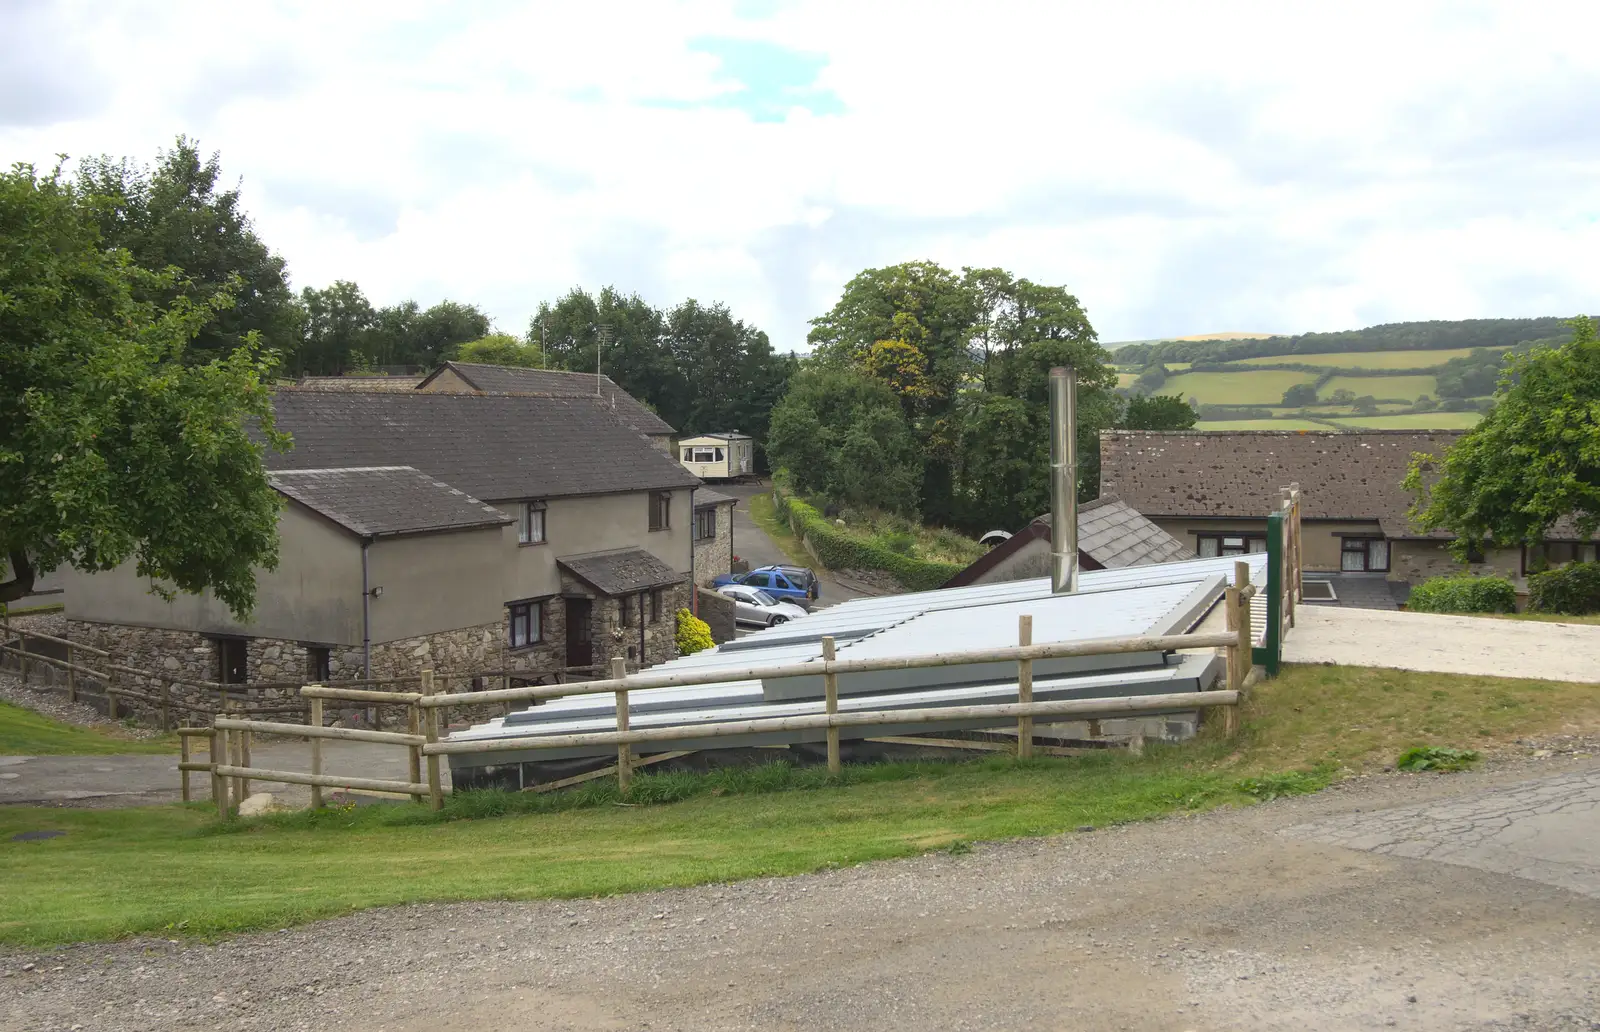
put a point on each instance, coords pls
(1208, 547)
(1233, 542)
(1378, 555)
(1353, 561)
(1258, 545)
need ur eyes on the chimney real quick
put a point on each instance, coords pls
(1063, 480)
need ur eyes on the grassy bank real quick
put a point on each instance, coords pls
(170, 869)
(763, 515)
(26, 733)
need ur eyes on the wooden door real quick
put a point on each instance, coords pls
(580, 647)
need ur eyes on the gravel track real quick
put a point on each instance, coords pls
(1230, 920)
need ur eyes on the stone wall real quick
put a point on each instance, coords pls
(714, 556)
(611, 638)
(717, 611)
(1415, 561)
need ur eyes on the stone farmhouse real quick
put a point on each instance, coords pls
(469, 531)
(1210, 489)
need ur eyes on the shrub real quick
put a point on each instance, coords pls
(694, 634)
(836, 549)
(1573, 590)
(898, 541)
(1464, 594)
(1436, 757)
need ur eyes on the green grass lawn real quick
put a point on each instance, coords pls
(1414, 421)
(176, 869)
(1368, 359)
(1261, 424)
(1261, 387)
(1408, 387)
(26, 733)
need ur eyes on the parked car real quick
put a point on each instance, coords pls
(754, 606)
(784, 583)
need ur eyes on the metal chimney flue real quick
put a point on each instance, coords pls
(1063, 480)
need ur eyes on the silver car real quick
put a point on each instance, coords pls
(754, 606)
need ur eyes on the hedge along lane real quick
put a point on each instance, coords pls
(840, 550)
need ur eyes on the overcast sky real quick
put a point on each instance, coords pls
(1182, 168)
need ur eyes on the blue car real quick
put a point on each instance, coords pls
(786, 583)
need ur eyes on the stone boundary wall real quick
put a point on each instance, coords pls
(714, 556)
(717, 611)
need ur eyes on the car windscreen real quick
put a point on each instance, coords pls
(761, 598)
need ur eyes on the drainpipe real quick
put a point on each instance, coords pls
(1063, 480)
(366, 614)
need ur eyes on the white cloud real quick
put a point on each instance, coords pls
(1182, 167)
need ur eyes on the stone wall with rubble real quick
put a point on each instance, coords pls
(611, 638)
(1414, 561)
(718, 612)
(714, 555)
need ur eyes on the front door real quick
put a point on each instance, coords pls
(580, 650)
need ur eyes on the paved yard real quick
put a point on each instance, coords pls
(1256, 920)
(1446, 644)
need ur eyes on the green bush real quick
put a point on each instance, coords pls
(900, 542)
(837, 550)
(1436, 757)
(1572, 590)
(694, 634)
(1463, 594)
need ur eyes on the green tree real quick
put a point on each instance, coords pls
(1533, 460)
(636, 356)
(337, 325)
(501, 349)
(437, 329)
(731, 377)
(1366, 405)
(1300, 394)
(1161, 412)
(842, 436)
(1342, 396)
(175, 215)
(112, 446)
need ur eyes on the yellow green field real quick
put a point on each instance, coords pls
(1126, 379)
(1367, 359)
(1261, 424)
(1413, 421)
(1264, 387)
(1410, 387)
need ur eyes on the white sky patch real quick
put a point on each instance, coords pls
(1182, 168)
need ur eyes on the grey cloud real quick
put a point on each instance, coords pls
(45, 74)
(369, 214)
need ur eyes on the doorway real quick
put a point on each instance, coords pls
(580, 647)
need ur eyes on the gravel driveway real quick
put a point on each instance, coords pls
(1446, 644)
(1250, 919)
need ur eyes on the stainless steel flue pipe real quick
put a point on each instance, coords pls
(1063, 480)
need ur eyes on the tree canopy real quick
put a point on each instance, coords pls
(843, 435)
(115, 442)
(1533, 460)
(501, 349)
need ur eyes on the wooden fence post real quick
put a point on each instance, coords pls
(22, 659)
(413, 726)
(235, 759)
(1245, 649)
(111, 690)
(431, 733)
(72, 676)
(166, 703)
(219, 789)
(619, 670)
(183, 770)
(315, 720)
(830, 693)
(1231, 604)
(246, 740)
(1025, 687)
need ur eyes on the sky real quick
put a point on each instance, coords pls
(1182, 168)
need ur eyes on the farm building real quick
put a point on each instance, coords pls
(718, 456)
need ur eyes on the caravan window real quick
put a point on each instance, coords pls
(704, 455)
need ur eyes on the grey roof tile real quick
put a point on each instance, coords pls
(375, 501)
(495, 447)
(495, 379)
(620, 571)
(706, 496)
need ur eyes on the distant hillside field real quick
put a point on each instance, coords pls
(1263, 424)
(1260, 387)
(1408, 388)
(1364, 359)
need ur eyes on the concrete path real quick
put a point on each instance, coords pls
(1546, 831)
(1245, 920)
(105, 781)
(1445, 644)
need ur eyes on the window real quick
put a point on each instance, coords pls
(655, 606)
(1364, 555)
(1209, 546)
(233, 665)
(688, 455)
(1550, 554)
(526, 625)
(705, 523)
(759, 580)
(530, 529)
(625, 611)
(317, 664)
(719, 455)
(660, 510)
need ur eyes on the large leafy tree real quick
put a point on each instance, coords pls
(627, 332)
(114, 444)
(843, 436)
(731, 377)
(338, 324)
(1533, 460)
(176, 215)
(501, 349)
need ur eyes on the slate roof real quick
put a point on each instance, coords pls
(620, 571)
(1238, 473)
(706, 496)
(358, 383)
(1111, 535)
(495, 379)
(1115, 535)
(494, 447)
(376, 501)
